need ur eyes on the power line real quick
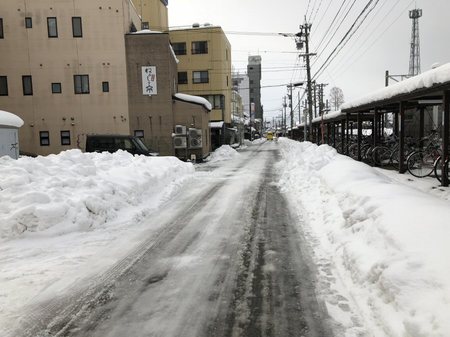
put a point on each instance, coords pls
(378, 37)
(337, 29)
(347, 36)
(331, 25)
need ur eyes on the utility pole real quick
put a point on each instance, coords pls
(292, 112)
(302, 40)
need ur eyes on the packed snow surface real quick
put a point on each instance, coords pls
(9, 119)
(381, 247)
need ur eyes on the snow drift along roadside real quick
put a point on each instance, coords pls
(75, 191)
(381, 247)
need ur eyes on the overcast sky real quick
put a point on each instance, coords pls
(381, 43)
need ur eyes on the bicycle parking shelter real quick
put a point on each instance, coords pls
(429, 89)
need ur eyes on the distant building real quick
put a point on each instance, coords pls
(78, 68)
(254, 75)
(204, 70)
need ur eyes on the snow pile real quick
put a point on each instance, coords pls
(76, 191)
(225, 152)
(381, 247)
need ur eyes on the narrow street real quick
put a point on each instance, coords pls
(227, 261)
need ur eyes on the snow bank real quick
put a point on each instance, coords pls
(76, 191)
(225, 152)
(381, 247)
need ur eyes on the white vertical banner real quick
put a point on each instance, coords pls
(149, 86)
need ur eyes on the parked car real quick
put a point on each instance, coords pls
(113, 143)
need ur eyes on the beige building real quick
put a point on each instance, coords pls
(154, 14)
(71, 68)
(205, 66)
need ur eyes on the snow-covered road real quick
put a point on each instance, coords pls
(226, 260)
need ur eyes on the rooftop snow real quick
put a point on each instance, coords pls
(426, 80)
(9, 119)
(194, 99)
(216, 125)
(147, 31)
(330, 115)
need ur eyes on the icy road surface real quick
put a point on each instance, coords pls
(227, 260)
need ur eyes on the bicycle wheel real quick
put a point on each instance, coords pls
(381, 156)
(438, 168)
(421, 164)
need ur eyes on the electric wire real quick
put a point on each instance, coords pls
(355, 41)
(337, 29)
(350, 33)
(331, 24)
(378, 37)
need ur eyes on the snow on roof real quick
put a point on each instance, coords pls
(147, 31)
(216, 125)
(9, 119)
(194, 99)
(428, 79)
(330, 115)
(173, 54)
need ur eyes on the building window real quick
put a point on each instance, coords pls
(81, 84)
(1, 28)
(77, 28)
(179, 48)
(28, 22)
(27, 85)
(139, 133)
(200, 47)
(182, 77)
(65, 137)
(56, 88)
(52, 27)
(200, 77)
(3, 86)
(44, 138)
(217, 101)
(105, 86)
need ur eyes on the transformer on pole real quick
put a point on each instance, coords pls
(414, 60)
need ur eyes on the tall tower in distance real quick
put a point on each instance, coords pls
(414, 58)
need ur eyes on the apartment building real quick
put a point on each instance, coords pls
(204, 70)
(254, 75)
(71, 68)
(154, 14)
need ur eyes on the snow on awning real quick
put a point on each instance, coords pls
(194, 99)
(328, 116)
(427, 80)
(9, 119)
(216, 125)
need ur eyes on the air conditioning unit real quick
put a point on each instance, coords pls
(195, 138)
(180, 130)
(179, 142)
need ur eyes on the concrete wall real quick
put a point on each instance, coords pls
(152, 114)
(193, 116)
(99, 53)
